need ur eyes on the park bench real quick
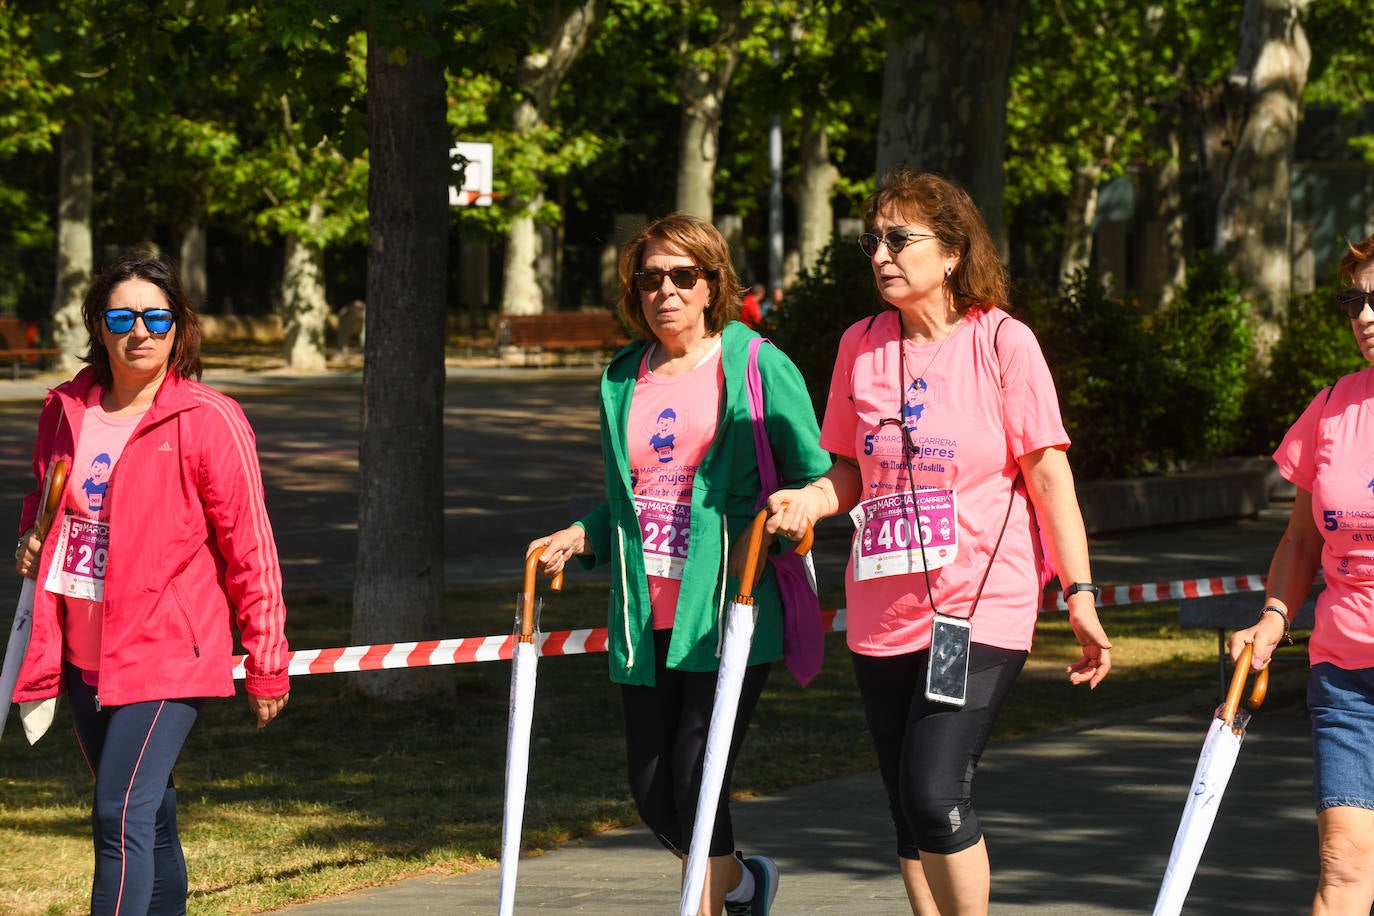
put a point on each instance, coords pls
(1227, 613)
(19, 344)
(563, 333)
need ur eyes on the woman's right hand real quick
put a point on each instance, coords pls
(26, 552)
(1265, 635)
(792, 512)
(556, 549)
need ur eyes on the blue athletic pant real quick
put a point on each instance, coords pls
(139, 865)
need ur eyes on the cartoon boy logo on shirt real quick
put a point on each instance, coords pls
(663, 439)
(96, 482)
(914, 405)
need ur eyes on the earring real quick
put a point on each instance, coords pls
(948, 272)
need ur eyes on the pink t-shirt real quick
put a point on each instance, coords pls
(672, 425)
(973, 413)
(102, 441)
(1329, 451)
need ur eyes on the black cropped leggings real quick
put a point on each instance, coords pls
(928, 752)
(665, 743)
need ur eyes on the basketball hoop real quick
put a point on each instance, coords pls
(474, 161)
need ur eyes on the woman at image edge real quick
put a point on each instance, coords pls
(163, 480)
(971, 386)
(1326, 454)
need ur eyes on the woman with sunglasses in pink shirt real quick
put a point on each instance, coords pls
(161, 543)
(682, 484)
(948, 448)
(1327, 455)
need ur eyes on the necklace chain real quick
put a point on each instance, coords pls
(922, 377)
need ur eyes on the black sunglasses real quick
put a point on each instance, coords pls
(894, 239)
(682, 277)
(157, 321)
(1352, 301)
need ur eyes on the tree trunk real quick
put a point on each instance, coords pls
(192, 259)
(305, 309)
(399, 580)
(944, 104)
(702, 83)
(1254, 214)
(529, 283)
(75, 252)
(1166, 259)
(812, 194)
(1080, 219)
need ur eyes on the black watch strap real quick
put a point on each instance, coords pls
(1082, 587)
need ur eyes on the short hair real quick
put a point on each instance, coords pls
(1356, 256)
(161, 271)
(702, 242)
(979, 278)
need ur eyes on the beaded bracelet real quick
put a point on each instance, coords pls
(1277, 610)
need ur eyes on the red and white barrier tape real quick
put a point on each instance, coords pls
(578, 642)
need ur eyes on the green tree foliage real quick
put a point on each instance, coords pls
(1145, 391)
(1315, 349)
(821, 304)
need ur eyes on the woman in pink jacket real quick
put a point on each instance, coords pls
(160, 541)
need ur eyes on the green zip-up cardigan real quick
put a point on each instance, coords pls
(724, 497)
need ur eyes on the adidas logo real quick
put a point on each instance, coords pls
(165, 446)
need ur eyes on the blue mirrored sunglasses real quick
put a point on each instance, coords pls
(157, 321)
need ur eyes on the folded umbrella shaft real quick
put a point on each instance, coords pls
(1220, 750)
(54, 485)
(734, 658)
(524, 667)
(15, 650)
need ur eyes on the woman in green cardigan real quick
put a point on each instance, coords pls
(682, 485)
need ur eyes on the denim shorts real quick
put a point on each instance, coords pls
(1341, 703)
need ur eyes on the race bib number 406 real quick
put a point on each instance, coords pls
(78, 566)
(891, 533)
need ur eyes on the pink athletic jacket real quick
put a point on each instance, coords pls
(190, 549)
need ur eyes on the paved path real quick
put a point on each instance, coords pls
(1079, 821)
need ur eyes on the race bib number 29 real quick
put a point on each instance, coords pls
(890, 535)
(78, 567)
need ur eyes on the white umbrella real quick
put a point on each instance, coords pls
(734, 658)
(53, 487)
(524, 666)
(1219, 751)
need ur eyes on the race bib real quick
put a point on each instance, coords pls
(885, 542)
(665, 528)
(78, 566)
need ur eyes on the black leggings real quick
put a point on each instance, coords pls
(665, 746)
(928, 752)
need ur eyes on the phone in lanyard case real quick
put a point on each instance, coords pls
(947, 672)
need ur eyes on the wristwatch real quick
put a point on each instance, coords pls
(1082, 587)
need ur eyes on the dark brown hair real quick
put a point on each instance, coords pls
(979, 278)
(1354, 259)
(702, 242)
(160, 271)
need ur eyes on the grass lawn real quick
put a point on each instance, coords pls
(343, 791)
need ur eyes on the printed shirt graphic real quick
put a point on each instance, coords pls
(976, 415)
(672, 425)
(84, 536)
(1329, 451)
